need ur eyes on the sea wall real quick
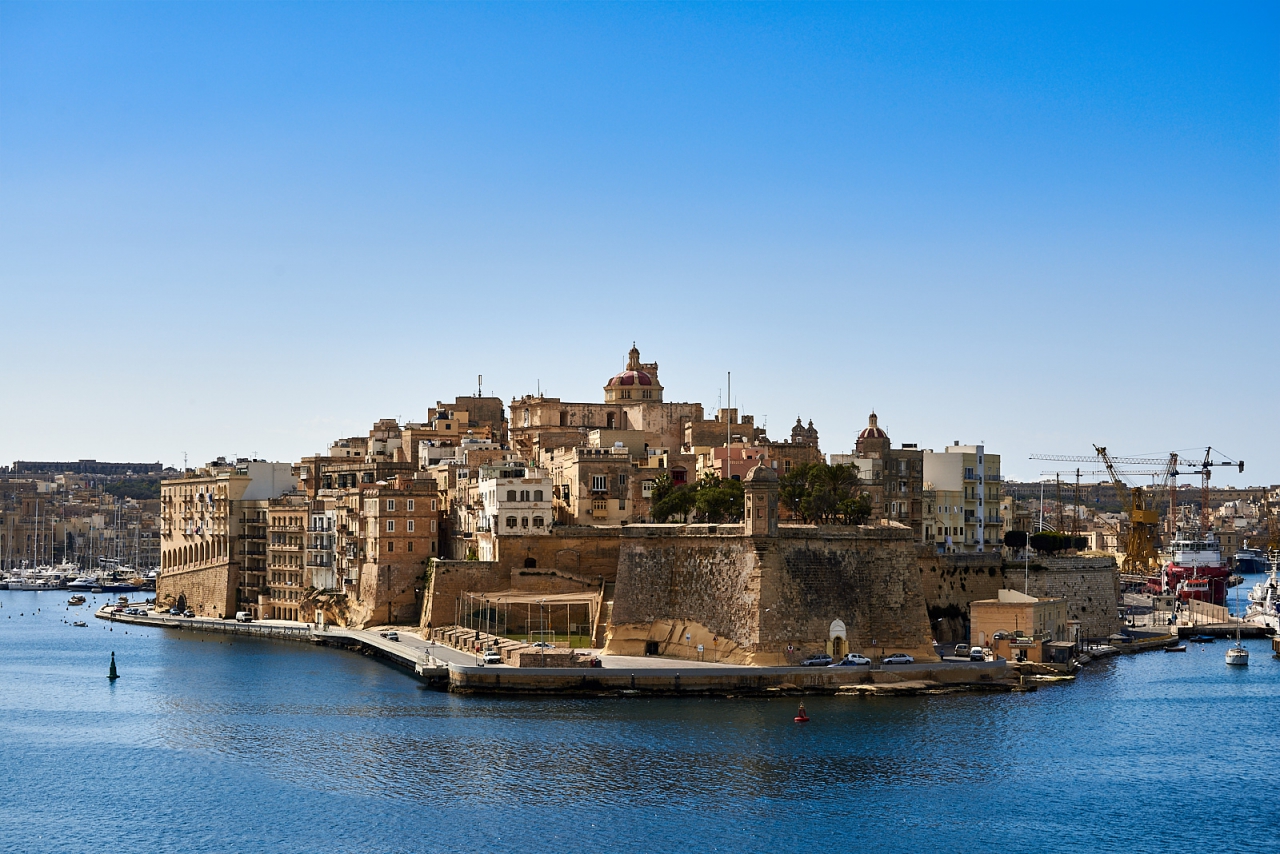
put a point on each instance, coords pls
(209, 591)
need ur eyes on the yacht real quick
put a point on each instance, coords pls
(84, 582)
(1237, 654)
(1264, 600)
(1251, 561)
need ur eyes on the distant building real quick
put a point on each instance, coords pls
(967, 477)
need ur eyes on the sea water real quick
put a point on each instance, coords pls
(215, 744)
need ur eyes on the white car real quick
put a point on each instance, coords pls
(492, 658)
(898, 658)
(852, 660)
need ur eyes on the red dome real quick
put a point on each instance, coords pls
(631, 378)
(872, 430)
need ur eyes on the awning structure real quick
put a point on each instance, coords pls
(548, 603)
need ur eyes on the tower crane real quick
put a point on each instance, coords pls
(1205, 468)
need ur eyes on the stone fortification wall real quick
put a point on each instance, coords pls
(209, 591)
(575, 551)
(769, 600)
(1091, 586)
(703, 587)
(867, 578)
(450, 579)
(388, 595)
(951, 582)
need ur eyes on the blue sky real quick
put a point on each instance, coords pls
(251, 228)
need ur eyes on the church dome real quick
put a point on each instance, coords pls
(872, 430)
(761, 473)
(631, 378)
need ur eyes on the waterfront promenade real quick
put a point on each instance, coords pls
(463, 672)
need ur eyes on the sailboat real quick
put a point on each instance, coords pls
(1238, 654)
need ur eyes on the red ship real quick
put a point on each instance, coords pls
(1197, 570)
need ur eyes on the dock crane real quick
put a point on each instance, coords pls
(1140, 554)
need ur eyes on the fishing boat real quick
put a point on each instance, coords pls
(80, 624)
(1177, 647)
(76, 600)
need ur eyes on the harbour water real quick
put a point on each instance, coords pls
(211, 745)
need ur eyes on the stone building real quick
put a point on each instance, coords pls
(1025, 625)
(893, 477)
(633, 400)
(400, 521)
(286, 568)
(213, 535)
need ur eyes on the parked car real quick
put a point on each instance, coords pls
(244, 617)
(175, 610)
(898, 658)
(392, 636)
(852, 660)
(976, 653)
(492, 658)
(962, 650)
(819, 660)
(188, 613)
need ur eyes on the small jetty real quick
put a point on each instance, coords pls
(1223, 630)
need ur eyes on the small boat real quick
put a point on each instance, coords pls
(1181, 647)
(1238, 654)
(76, 600)
(1202, 639)
(801, 716)
(80, 624)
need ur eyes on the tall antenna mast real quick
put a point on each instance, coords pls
(479, 385)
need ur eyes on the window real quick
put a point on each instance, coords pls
(622, 480)
(391, 546)
(537, 521)
(646, 488)
(524, 521)
(537, 495)
(410, 546)
(409, 526)
(391, 525)
(511, 521)
(391, 504)
(433, 504)
(409, 506)
(524, 495)
(433, 526)
(599, 483)
(511, 495)
(622, 504)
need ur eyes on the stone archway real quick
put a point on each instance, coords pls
(839, 638)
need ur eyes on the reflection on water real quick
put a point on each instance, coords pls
(206, 746)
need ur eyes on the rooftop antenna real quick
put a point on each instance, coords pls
(184, 461)
(479, 385)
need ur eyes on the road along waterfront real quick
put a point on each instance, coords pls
(210, 743)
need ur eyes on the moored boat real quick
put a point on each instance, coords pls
(1196, 569)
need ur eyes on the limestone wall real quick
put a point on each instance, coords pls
(209, 591)
(1091, 586)
(769, 600)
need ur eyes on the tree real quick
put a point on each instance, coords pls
(1016, 539)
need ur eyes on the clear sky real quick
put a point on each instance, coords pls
(252, 228)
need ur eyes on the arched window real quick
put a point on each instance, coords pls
(511, 495)
(524, 521)
(530, 563)
(537, 495)
(511, 521)
(537, 521)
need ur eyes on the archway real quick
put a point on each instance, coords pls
(839, 639)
